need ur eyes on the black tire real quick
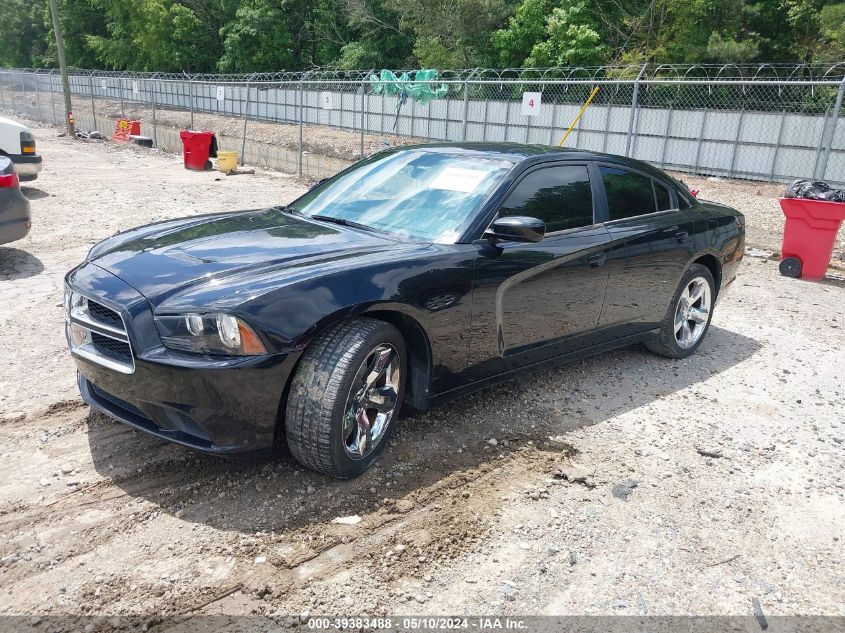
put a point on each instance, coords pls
(321, 387)
(790, 267)
(665, 343)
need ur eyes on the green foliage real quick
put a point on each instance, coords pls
(258, 39)
(525, 29)
(727, 50)
(22, 26)
(571, 38)
(266, 35)
(833, 27)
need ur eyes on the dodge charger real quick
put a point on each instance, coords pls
(414, 276)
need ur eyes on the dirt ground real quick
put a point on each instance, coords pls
(622, 484)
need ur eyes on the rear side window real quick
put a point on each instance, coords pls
(664, 200)
(628, 194)
(559, 196)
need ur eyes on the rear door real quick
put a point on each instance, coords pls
(651, 242)
(535, 301)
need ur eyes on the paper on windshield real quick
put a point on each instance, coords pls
(458, 179)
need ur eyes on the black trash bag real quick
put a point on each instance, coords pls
(815, 190)
(212, 150)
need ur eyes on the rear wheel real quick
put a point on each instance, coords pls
(688, 316)
(345, 396)
(790, 267)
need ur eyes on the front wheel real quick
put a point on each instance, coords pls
(344, 397)
(688, 316)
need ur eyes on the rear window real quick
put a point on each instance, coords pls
(664, 200)
(628, 193)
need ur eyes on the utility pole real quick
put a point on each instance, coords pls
(60, 48)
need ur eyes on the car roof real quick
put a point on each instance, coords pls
(524, 152)
(13, 124)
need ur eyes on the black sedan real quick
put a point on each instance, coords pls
(15, 220)
(414, 276)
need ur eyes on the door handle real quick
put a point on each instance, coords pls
(682, 236)
(597, 261)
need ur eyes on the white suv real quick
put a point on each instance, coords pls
(18, 143)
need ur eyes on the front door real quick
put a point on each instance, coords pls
(535, 301)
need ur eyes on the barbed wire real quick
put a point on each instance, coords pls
(645, 72)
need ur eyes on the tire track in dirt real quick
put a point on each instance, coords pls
(426, 515)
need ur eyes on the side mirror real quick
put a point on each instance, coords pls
(516, 228)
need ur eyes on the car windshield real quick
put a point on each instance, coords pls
(419, 193)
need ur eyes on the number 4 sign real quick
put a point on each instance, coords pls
(531, 102)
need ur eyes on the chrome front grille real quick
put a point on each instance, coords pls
(97, 333)
(104, 315)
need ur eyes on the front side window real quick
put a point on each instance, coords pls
(419, 193)
(559, 196)
(628, 193)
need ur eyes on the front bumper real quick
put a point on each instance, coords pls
(28, 166)
(213, 404)
(215, 411)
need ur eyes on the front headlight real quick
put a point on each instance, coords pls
(74, 302)
(209, 334)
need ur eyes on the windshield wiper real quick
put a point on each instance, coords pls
(345, 222)
(333, 220)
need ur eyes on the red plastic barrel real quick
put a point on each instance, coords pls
(135, 128)
(810, 233)
(196, 145)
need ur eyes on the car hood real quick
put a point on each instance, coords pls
(165, 259)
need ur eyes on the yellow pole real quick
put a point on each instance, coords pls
(580, 112)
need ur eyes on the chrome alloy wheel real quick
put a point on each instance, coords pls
(372, 401)
(692, 312)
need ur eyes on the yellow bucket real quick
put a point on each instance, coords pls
(227, 160)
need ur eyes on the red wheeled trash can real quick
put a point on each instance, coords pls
(197, 148)
(809, 236)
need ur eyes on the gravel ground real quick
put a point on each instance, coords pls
(622, 484)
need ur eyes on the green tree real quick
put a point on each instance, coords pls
(525, 29)
(804, 18)
(452, 33)
(833, 28)
(23, 31)
(571, 38)
(727, 50)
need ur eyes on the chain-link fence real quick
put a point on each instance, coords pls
(765, 122)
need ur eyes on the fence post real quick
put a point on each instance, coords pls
(37, 97)
(363, 93)
(23, 92)
(91, 90)
(53, 97)
(737, 138)
(155, 124)
(2, 96)
(120, 94)
(466, 107)
(633, 115)
(301, 126)
(191, 98)
(777, 145)
(829, 132)
(246, 118)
